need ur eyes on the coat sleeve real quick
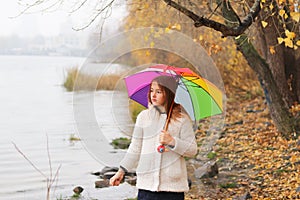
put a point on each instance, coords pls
(131, 159)
(185, 144)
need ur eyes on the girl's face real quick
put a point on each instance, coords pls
(157, 95)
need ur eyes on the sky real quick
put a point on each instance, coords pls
(42, 23)
(29, 24)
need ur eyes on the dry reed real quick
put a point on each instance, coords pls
(75, 81)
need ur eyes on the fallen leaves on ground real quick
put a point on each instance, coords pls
(255, 161)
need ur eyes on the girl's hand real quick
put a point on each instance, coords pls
(117, 178)
(166, 138)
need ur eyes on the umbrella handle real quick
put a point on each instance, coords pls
(169, 116)
(162, 148)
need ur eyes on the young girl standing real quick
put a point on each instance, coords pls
(160, 175)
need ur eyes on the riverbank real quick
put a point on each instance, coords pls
(254, 160)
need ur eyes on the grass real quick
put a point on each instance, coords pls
(135, 108)
(211, 155)
(121, 143)
(74, 138)
(228, 185)
(75, 81)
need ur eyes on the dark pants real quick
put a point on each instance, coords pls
(149, 195)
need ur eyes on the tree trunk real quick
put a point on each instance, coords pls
(297, 77)
(292, 67)
(276, 61)
(283, 62)
(278, 109)
(292, 73)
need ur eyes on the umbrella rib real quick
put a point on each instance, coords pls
(187, 90)
(137, 92)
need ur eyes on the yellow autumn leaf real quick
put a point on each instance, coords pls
(178, 27)
(280, 40)
(167, 30)
(272, 50)
(271, 6)
(288, 42)
(290, 35)
(152, 44)
(264, 24)
(146, 38)
(293, 158)
(285, 16)
(148, 53)
(281, 12)
(200, 37)
(281, 2)
(298, 43)
(146, 5)
(295, 16)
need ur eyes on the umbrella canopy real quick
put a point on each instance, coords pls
(199, 97)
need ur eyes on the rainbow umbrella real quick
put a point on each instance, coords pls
(199, 97)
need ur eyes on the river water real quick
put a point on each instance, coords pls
(36, 109)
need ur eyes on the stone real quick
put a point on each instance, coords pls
(131, 180)
(246, 196)
(78, 190)
(105, 170)
(108, 175)
(109, 169)
(190, 183)
(101, 183)
(208, 170)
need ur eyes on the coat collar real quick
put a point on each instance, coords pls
(160, 109)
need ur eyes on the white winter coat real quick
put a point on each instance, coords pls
(160, 171)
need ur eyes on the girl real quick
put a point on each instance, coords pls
(160, 175)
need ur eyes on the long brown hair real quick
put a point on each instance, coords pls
(168, 85)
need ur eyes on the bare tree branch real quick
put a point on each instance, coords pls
(55, 176)
(48, 8)
(225, 30)
(49, 158)
(78, 7)
(49, 180)
(99, 12)
(214, 11)
(229, 10)
(37, 169)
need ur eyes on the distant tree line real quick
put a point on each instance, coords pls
(16, 45)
